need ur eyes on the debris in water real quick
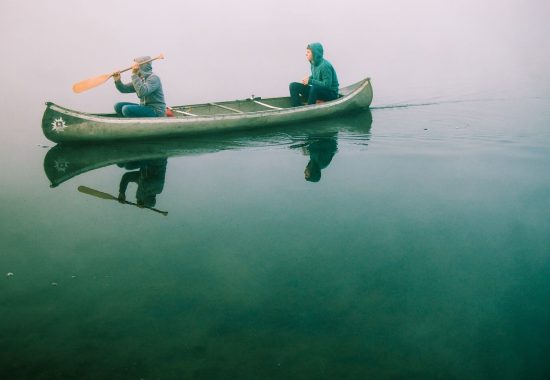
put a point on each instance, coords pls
(54, 283)
(9, 274)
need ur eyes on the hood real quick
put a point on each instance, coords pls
(147, 68)
(317, 50)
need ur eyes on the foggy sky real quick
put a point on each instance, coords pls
(219, 50)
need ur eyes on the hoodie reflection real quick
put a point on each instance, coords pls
(149, 175)
(321, 150)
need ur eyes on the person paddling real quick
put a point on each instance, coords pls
(148, 88)
(322, 84)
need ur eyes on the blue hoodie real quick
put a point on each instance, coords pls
(147, 86)
(322, 72)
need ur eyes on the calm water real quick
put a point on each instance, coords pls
(420, 251)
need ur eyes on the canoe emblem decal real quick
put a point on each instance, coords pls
(58, 125)
(61, 165)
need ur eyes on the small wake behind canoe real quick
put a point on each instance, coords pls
(62, 125)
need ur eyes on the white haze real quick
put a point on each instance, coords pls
(415, 51)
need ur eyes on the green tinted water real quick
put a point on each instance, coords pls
(423, 251)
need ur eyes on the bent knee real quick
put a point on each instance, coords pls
(127, 111)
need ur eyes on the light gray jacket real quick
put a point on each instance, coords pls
(147, 86)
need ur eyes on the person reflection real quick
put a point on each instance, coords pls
(321, 149)
(149, 179)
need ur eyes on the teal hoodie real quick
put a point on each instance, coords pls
(322, 72)
(147, 86)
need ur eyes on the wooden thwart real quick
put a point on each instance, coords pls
(266, 105)
(183, 112)
(225, 107)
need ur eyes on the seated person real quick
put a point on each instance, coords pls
(148, 88)
(322, 84)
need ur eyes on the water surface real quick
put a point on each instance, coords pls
(421, 252)
(418, 249)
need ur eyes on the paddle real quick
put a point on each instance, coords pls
(96, 81)
(102, 195)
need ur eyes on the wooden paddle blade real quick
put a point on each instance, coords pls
(90, 83)
(96, 193)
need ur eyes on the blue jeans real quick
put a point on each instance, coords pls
(311, 93)
(126, 109)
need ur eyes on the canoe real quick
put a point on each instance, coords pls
(63, 162)
(63, 125)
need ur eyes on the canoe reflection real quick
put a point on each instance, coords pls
(146, 161)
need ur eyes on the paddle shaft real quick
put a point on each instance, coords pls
(160, 56)
(96, 81)
(102, 195)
